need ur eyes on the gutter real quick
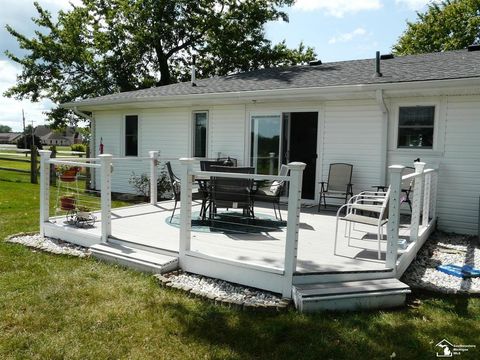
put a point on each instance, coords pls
(78, 112)
(379, 95)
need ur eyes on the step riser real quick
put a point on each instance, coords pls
(139, 265)
(142, 247)
(353, 303)
(338, 277)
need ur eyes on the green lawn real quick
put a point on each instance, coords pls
(57, 307)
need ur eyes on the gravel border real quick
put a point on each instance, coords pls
(441, 249)
(50, 245)
(223, 293)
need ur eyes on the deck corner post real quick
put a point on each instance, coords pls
(153, 177)
(106, 195)
(293, 221)
(426, 199)
(417, 200)
(393, 215)
(185, 207)
(44, 188)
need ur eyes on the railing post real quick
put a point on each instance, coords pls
(106, 195)
(153, 177)
(417, 201)
(271, 165)
(185, 207)
(44, 188)
(33, 164)
(293, 220)
(393, 215)
(426, 199)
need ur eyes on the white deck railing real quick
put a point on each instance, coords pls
(423, 217)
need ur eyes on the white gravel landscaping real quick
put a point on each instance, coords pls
(48, 244)
(222, 291)
(443, 249)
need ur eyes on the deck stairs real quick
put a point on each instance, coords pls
(350, 295)
(133, 257)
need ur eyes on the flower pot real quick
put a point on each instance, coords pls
(69, 176)
(67, 203)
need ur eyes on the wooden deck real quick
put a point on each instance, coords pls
(148, 225)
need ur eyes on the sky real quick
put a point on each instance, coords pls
(336, 29)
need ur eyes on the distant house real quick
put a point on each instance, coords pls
(423, 106)
(9, 138)
(65, 137)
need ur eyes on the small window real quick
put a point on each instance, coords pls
(200, 123)
(415, 127)
(131, 135)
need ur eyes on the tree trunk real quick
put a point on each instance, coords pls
(165, 78)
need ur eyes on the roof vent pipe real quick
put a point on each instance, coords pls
(377, 65)
(193, 70)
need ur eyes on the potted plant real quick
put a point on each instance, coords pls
(67, 173)
(67, 202)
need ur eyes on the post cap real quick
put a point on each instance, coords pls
(45, 153)
(296, 165)
(419, 166)
(396, 168)
(153, 154)
(105, 156)
(186, 161)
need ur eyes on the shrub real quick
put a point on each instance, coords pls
(78, 147)
(21, 142)
(141, 184)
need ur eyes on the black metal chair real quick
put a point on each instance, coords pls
(232, 193)
(271, 192)
(406, 186)
(175, 183)
(205, 165)
(339, 184)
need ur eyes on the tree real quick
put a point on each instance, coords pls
(108, 46)
(448, 25)
(5, 129)
(28, 142)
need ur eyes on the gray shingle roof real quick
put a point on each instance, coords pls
(434, 66)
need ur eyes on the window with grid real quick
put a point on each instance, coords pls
(416, 126)
(200, 124)
(131, 135)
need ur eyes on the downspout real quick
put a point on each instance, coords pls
(92, 140)
(384, 137)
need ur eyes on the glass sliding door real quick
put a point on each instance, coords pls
(265, 143)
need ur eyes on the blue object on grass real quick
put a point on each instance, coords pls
(465, 271)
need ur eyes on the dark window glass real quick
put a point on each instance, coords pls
(200, 134)
(131, 135)
(415, 127)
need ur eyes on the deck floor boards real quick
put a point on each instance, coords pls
(148, 225)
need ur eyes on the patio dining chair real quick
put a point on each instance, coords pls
(206, 165)
(272, 191)
(231, 193)
(339, 183)
(367, 208)
(175, 184)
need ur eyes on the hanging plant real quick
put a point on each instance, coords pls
(67, 173)
(67, 202)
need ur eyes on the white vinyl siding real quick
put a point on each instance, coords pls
(459, 188)
(351, 135)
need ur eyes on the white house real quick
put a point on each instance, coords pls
(368, 113)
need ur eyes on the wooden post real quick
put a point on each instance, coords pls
(106, 195)
(426, 200)
(393, 215)
(44, 188)
(153, 177)
(293, 220)
(53, 175)
(417, 200)
(185, 207)
(33, 164)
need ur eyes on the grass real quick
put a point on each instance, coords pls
(59, 307)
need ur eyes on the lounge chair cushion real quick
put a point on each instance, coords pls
(275, 188)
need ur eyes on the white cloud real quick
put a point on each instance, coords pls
(338, 8)
(11, 113)
(415, 4)
(346, 37)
